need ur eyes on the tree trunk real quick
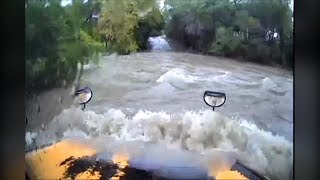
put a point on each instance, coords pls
(76, 82)
(282, 49)
(247, 34)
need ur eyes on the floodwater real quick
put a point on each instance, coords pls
(157, 97)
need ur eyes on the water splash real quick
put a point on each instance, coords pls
(200, 132)
(131, 82)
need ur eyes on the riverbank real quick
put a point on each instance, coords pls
(42, 108)
(178, 47)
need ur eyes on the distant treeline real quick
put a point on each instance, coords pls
(252, 30)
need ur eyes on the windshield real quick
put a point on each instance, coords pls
(130, 76)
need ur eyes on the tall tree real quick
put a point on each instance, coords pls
(262, 29)
(126, 25)
(55, 42)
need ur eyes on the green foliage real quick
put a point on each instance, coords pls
(126, 25)
(117, 24)
(226, 43)
(58, 38)
(238, 28)
(94, 47)
(55, 42)
(149, 25)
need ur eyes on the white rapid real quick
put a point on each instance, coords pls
(159, 43)
(147, 102)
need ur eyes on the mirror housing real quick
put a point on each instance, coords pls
(214, 99)
(84, 96)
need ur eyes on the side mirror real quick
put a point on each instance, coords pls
(84, 96)
(214, 99)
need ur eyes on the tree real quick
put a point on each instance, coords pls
(126, 25)
(117, 24)
(256, 30)
(226, 42)
(55, 42)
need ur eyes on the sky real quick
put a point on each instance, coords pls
(66, 2)
(291, 5)
(161, 3)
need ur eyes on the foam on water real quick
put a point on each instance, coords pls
(175, 137)
(29, 138)
(163, 89)
(275, 85)
(158, 43)
(200, 132)
(236, 79)
(174, 75)
(179, 78)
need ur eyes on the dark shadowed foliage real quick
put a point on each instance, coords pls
(258, 30)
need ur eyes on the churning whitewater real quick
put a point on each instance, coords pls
(154, 100)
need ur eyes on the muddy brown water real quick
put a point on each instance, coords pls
(157, 97)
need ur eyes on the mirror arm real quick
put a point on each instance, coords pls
(212, 108)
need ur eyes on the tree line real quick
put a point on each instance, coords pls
(252, 30)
